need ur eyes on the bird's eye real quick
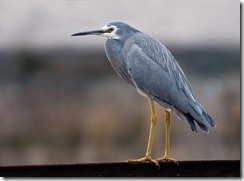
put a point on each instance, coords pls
(110, 29)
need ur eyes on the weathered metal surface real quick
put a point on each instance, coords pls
(223, 168)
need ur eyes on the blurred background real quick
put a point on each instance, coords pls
(61, 102)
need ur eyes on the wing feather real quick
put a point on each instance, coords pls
(147, 55)
(156, 73)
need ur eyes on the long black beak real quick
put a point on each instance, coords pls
(92, 32)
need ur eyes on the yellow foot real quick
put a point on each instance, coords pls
(143, 160)
(168, 159)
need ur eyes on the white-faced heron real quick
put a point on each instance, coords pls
(148, 65)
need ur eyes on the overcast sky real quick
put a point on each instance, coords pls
(49, 23)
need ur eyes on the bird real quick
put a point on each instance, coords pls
(146, 64)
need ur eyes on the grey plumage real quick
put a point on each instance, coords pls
(148, 65)
(156, 73)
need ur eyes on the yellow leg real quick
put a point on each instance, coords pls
(167, 157)
(150, 140)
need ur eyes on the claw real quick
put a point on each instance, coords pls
(143, 160)
(168, 159)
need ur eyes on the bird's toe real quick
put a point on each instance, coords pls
(168, 159)
(144, 160)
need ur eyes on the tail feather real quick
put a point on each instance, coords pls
(187, 118)
(203, 119)
(210, 121)
(195, 113)
(204, 125)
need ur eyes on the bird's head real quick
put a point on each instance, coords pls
(113, 30)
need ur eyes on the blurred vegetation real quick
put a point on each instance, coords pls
(30, 63)
(69, 106)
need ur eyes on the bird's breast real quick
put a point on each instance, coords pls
(114, 52)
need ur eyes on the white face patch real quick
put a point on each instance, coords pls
(112, 34)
